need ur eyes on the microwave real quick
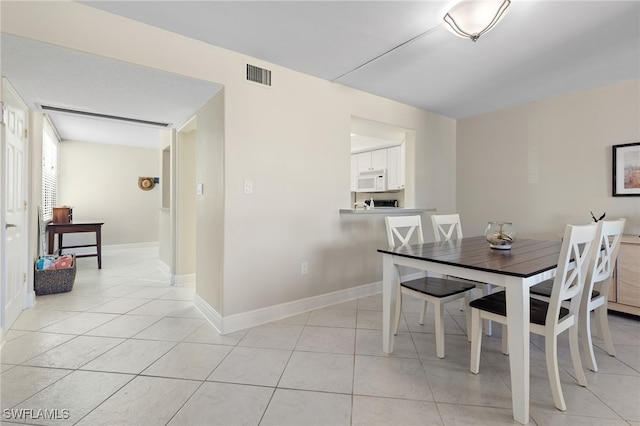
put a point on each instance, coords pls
(375, 181)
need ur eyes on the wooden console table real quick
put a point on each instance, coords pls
(73, 227)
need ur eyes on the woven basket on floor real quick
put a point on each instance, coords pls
(50, 281)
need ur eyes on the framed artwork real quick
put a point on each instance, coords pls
(626, 170)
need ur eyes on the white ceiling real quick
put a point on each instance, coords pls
(49, 75)
(540, 49)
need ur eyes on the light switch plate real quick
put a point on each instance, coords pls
(199, 188)
(248, 187)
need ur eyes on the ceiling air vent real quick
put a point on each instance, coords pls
(258, 75)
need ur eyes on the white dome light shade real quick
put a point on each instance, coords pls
(472, 18)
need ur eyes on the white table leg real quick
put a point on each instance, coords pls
(390, 283)
(518, 326)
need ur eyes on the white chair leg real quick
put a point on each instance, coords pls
(439, 308)
(476, 340)
(486, 290)
(467, 313)
(603, 325)
(587, 344)
(422, 312)
(574, 348)
(505, 339)
(551, 352)
(398, 311)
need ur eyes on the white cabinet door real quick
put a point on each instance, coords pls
(372, 160)
(379, 159)
(395, 167)
(364, 162)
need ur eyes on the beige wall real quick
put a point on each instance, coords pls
(296, 152)
(292, 141)
(548, 163)
(210, 206)
(100, 181)
(186, 203)
(165, 242)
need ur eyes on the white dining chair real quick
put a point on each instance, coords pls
(438, 291)
(547, 318)
(444, 226)
(447, 227)
(595, 296)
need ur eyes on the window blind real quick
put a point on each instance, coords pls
(49, 173)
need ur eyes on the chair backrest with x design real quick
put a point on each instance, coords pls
(579, 244)
(601, 268)
(403, 228)
(610, 237)
(444, 226)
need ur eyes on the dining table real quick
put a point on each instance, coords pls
(527, 263)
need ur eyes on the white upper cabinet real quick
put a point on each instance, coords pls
(390, 159)
(395, 167)
(372, 160)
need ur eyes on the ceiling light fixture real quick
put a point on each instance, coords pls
(473, 18)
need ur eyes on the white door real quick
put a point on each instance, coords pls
(14, 196)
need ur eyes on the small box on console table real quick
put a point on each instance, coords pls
(62, 214)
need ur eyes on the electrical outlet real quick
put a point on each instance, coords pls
(304, 268)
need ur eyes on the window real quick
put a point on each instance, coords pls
(49, 171)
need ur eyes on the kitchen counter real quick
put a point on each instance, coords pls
(384, 211)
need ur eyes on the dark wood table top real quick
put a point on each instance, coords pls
(76, 225)
(525, 258)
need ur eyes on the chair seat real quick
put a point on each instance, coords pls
(437, 287)
(545, 287)
(496, 303)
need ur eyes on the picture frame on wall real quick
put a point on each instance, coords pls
(626, 170)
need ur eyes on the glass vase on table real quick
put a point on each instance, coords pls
(500, 235)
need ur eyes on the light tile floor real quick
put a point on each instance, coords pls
(125, 348)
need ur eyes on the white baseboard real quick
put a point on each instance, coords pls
(176, 279)
(111, 248)
(236, 322)
(164, 267)
(117, 247)
(209, 313)
(183, 279)
(30, 301)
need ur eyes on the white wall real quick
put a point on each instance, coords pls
(296, 152)
(100, 182)
(292, 141)
(547, 164)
